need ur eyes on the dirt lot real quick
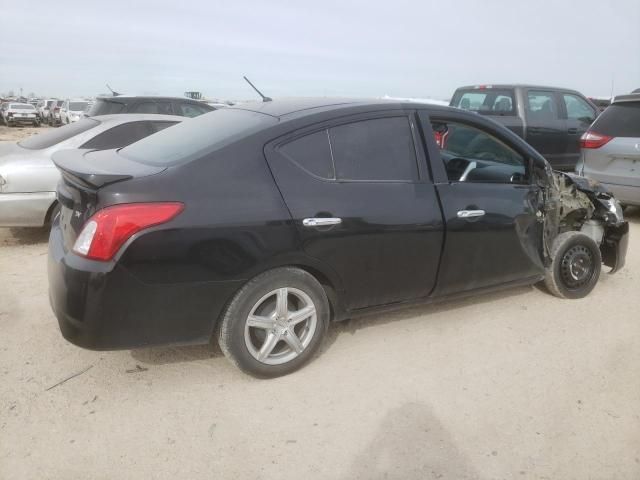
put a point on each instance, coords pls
(517, 384)
(512, 385)
(18, 133)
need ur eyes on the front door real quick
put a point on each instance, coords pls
(580, 115)
(493, 233)
(546, 129)
(359, 195)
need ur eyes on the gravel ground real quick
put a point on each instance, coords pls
(517, 384)
(18, 133)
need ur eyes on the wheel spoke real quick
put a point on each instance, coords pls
(268, 345)
(282, 303)
(293, 341)
(265, 323)
(301, 315)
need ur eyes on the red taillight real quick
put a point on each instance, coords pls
(107, 230)
(594, 140)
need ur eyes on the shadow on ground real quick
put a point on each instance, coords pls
(193, 353)
(23, 236)
(412, 443)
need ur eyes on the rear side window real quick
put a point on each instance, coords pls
(311, 153)
(163, 108)
(542, 105)
(57, 135)
(619, 120)
(106, 107)
(190, 110)
(488, 101)
(197, 137)
(379, 149)
(119, 136)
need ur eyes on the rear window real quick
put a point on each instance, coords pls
(619, 120)
(489, 101)
(106, 107)
(197, 137)
(57, 135)
(20, 106)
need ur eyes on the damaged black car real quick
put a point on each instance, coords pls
(258, 225)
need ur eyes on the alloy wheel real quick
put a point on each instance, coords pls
(280, 326)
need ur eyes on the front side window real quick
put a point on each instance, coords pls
(542, 105)
(477, 156)
(578, 109)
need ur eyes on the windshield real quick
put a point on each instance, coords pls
(106, 107)
(197, 137)
(57, 135)
(488, 101)
(78, 106)
(21, 106)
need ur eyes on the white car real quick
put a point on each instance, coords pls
(14, 113)
(28, 177)
(44, 107)
(72, 110)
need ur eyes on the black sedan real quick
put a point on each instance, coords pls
(260, 224)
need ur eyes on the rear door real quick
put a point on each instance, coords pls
(546, 129)
(493, 234)
(359, 194)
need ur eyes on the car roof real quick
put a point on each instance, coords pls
(632, 97)
(137, 117)
(144, 97)
(19, 103)
(296, 107)
(489, 86)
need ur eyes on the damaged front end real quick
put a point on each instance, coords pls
(579, 204)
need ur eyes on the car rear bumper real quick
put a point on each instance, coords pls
(25, 209)
(625, 194)
(102, 306)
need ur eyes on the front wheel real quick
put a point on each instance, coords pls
(575, 265)
(275, 323)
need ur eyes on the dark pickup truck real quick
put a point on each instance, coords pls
(551, 120)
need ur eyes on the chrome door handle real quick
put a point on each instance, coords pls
(470, 213)
(321, 222)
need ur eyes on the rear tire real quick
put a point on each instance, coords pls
(275, 323)
(575, 266)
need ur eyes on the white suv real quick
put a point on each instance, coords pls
(72, 110)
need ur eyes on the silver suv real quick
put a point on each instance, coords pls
(610, 150)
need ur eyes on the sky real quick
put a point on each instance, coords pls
(422, 48)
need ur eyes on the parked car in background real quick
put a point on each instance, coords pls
(19, 114)
(611, 149)
(184, 107)
(549, 119)
(73, 110)
(259, 224)
(28, 178)
(54, 113)
(44, 107)
(600, 102)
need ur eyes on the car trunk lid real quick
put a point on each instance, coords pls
(84, 173)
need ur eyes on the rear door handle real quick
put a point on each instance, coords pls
(470, 213)
(321, 222)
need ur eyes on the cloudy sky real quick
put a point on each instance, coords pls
(421, 48)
